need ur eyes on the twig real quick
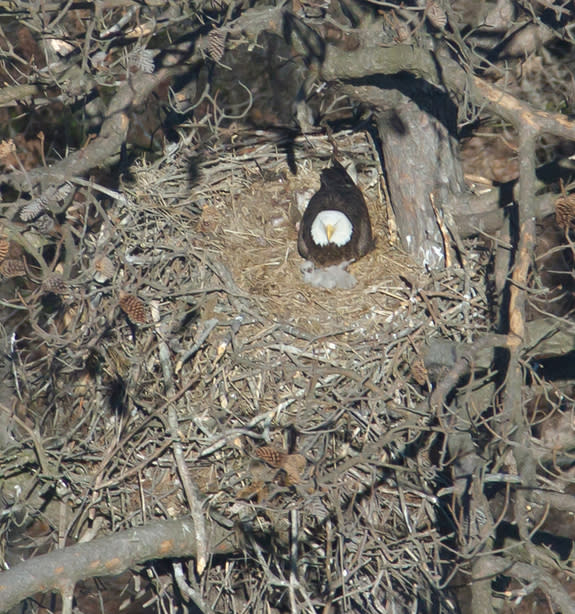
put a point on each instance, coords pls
(187, 591)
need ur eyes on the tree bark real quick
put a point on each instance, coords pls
(423, 172)
(106, 556)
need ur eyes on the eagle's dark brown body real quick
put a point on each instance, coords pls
(338, 192)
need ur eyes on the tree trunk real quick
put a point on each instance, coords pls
(423, 169)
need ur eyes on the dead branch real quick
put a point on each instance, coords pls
(106, 556)
(108, 143)
(442, 71)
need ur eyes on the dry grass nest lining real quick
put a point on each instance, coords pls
(255, 231)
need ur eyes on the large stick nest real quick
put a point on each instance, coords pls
(299, 409)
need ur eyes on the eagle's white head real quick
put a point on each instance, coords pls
(331, 227)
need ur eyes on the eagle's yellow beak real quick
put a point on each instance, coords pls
(329, 230)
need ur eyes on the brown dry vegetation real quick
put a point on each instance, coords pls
(185, 425)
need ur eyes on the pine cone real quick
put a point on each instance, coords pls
(13, 267)
(134, 308)
(272, 456)
(217, 44)
(55, 284)
(4, 249)
(105, 269)
(565, 211)
(436, 15)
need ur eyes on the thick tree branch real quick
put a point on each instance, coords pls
(485, 213)
(107, 144)
(443, 71)
(106, 556)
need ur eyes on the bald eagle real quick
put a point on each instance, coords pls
(335, 226)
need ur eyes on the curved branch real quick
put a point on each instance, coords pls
(105, 145)
(106, 556)
(443, 71)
